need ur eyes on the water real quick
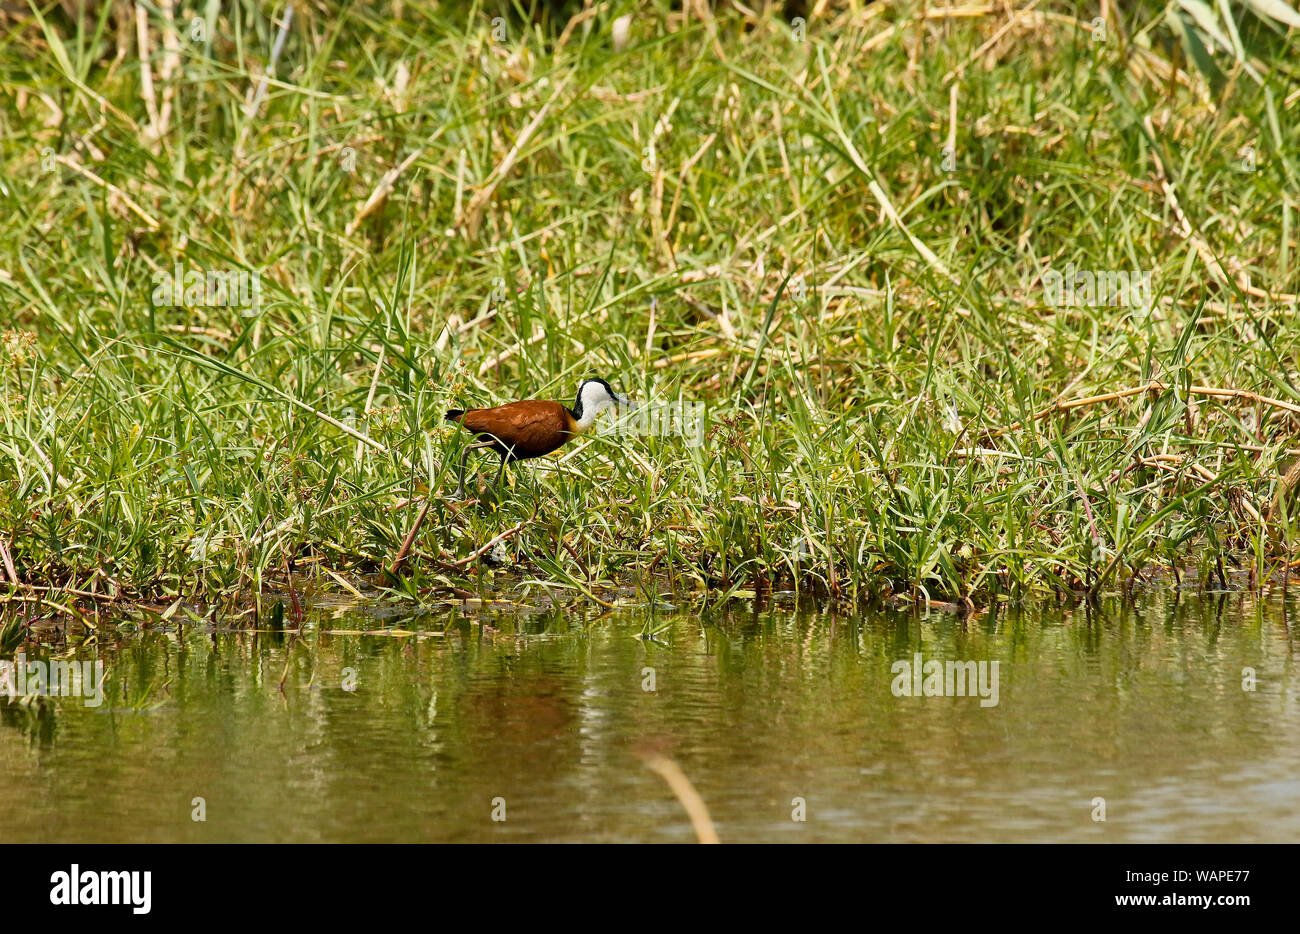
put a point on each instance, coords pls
(546, 710)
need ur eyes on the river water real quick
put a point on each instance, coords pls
(532, 724)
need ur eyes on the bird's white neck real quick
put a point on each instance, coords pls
(589, 413)
(592, 400)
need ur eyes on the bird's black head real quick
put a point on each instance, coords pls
(594, 396)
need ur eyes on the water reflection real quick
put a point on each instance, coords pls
(547, 713)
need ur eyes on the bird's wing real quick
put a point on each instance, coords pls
(517, 419)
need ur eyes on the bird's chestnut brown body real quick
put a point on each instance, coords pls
(520, 430)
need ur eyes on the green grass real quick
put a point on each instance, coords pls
(872, 425)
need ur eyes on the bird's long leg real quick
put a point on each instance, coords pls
(460, 486)
(506, 456)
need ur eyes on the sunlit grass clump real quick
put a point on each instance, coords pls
(246, 264)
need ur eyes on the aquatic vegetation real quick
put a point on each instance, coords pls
(834, 259)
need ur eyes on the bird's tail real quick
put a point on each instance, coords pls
(453, 415)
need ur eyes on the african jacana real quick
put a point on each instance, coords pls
(522, 430)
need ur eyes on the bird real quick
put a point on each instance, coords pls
(532, 428)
